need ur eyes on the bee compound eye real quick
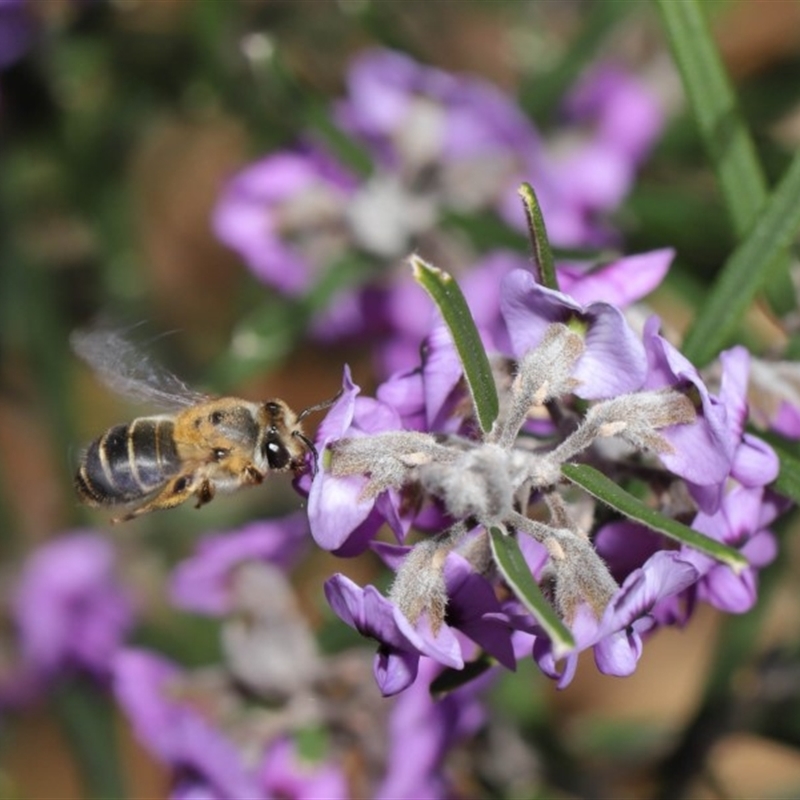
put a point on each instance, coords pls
(276, 454)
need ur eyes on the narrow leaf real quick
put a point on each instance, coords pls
(543, 264)
(747, 270)
(605, 490)
(725, 135)
(447, 295)
(511, 563)
(727, 140)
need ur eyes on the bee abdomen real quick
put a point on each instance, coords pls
(128, 462)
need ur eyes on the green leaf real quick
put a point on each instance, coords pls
(510, 562)
(788, 481)
(447, 295)
(605, 490)
(86, 715)
(713, 101)
(741, 180)
(544, 265)
(747, 270)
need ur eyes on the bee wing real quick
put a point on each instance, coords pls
(123, 368)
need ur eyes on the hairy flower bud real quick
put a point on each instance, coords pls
(543, 373)
(580, 575)
(476, 484)
(419, 585)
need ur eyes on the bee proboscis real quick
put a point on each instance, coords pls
(199, 447)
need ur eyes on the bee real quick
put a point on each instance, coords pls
(199, 447)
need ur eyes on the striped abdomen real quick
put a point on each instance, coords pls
(128, 462)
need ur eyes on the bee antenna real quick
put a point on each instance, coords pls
(319, 407)
(310, 447)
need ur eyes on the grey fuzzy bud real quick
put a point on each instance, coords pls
(476, 484)
(580, 575)
(542, 374)
(635, 418)
(389, 459)
(419, 586)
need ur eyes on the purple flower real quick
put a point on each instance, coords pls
(401, 643)
(703, 452)
(625, 546)
(625, 113)
(616, 638)
(626, 119)
(284, 216)
(740, 522)
(425, 397)
(202, 583)
(473, 611)
(341, 519)
(69, 608)
(613, 361)
(421, 733)
(754, 461)
(284, 774)
(410, 114)
(621, 282)
(206, 763)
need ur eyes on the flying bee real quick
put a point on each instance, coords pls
(202, 446)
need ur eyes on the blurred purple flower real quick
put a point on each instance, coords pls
(17, 28)
(284, 216)
(410, 115)
(625, 119)
(613, 361)
(202, 582)
(624, 112)
(422, 731)
(283, 774)
(205, 762)
(69, 607)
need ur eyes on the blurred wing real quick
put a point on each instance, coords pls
(125, 369)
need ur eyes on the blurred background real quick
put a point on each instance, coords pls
(121, 124)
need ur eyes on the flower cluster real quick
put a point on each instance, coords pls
(219, 744)
(578, 385)
(441, 149)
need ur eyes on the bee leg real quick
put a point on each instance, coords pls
(177, 491)
(252, 475)
(204, 493)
